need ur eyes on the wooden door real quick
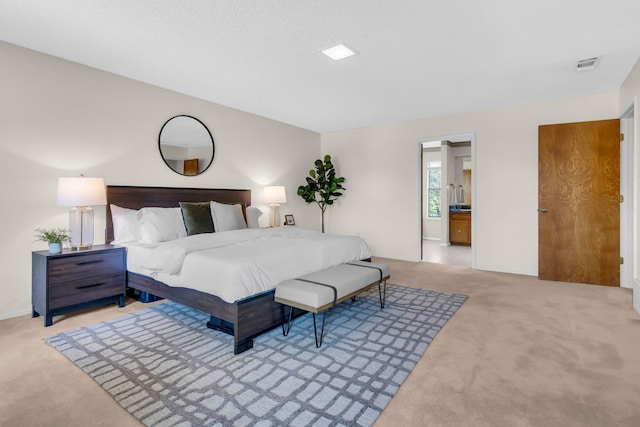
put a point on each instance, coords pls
(579, 202)
(191, 167)
(466, 182)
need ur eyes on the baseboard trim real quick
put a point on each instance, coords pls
(5, 316)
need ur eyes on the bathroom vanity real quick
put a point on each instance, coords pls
(460, 225)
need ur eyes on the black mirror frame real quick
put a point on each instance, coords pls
(213, 145)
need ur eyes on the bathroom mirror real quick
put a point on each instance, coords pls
(186, 145)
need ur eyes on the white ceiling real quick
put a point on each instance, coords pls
(415, 59)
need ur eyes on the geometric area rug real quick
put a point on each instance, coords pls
(164, 366)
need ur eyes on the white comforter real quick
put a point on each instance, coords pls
(237, 264)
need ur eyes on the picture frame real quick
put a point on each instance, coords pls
(288, 220)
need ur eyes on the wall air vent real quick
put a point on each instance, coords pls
(587, 64)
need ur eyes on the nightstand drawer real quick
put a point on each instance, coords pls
(90, 289)
(64, 269)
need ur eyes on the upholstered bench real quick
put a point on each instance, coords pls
(317, 292)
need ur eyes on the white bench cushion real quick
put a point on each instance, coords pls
(347, 279)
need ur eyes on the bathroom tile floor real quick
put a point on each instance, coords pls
(433, 251)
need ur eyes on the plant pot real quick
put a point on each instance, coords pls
(55, 248)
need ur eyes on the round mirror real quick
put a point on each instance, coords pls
(186, 145)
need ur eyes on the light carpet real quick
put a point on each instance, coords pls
(164, 366)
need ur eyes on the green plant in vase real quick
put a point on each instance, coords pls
(55, 237)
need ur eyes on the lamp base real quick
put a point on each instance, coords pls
(80, 247)
(274, 216)
(81, 228)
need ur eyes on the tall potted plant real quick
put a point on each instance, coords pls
(323, 186)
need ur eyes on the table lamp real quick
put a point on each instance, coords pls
(81, 193)
(274, 195)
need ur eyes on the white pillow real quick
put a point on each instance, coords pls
(125, 225)
(227, 217)
(253, 217)
(161, 224)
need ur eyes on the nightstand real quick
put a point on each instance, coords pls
(74, 280)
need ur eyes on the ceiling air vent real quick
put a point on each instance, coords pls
(587, 64)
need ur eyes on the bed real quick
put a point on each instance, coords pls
(244, 318)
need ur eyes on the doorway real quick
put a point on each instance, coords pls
(629, 208)
(447, 184)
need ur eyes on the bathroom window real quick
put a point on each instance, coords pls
(434, 173)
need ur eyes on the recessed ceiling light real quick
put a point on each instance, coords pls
(339, 52)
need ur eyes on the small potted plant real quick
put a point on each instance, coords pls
(54, 236)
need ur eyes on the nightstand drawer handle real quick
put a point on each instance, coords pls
(90, 262)
(90, 286)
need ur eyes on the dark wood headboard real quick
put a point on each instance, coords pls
(166, 197)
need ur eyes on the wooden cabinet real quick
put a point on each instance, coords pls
(460, 228)
(73, 280)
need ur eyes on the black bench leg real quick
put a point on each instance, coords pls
(383, 293)
(315, 329)
(287, 328)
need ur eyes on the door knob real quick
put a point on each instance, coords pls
(543, 210)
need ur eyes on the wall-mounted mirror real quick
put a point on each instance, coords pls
(186, 145)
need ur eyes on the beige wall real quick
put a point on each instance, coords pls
(630, 89)
(381, 165)
(59, 118)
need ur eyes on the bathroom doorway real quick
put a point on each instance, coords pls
(446, 199)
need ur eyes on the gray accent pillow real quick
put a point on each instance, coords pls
(197, 217)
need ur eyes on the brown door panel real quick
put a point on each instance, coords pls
(579, 202)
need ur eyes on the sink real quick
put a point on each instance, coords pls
(460, 208)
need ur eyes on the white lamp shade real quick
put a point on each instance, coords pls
(275, 194)
(81, 191)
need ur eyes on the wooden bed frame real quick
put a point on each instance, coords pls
(244, 319)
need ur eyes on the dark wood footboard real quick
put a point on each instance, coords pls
(245, 319)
